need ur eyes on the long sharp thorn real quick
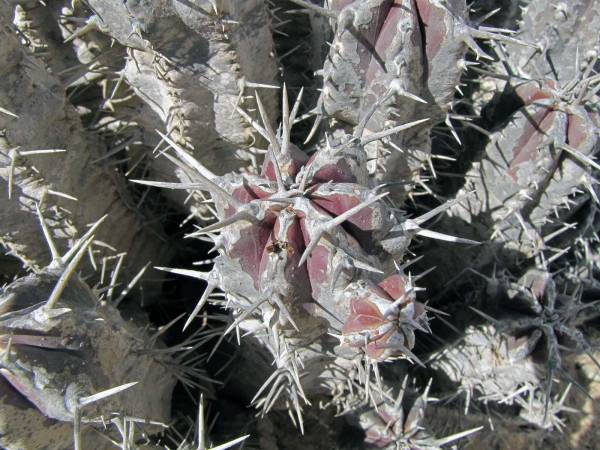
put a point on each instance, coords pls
(454, 437)
(47, 234)
(441, 208)
(592, 192)
(410, 354)
(230, 443)
(252, 122)
(558, 255)
(265, 384)
(274, 394)
(310, 247)
(418, 277)
(334, 223)
(519, 217)
(183, 166)
(564, 396)
(209, 289)
(215, 349)
(284, 311)
(336, 275)
(295, 109)
(104, 394)
(278, 177)
(497, 323)
(550, 236)
(591, 356)
(482, 19)
(445, 237)
(8, 350)
(246, 313)
(470, 42)
(6, 111)
(392, 308)
(376, 136)
(206, 184)
(298, 412)
(345, 216)
(378, 378)
(405, 93)
(267, 124)
(201, 431)
(77, 429)
(452, 129)
(364, 266)
(350, 141)
(250, 84)
(314, 128)
(398, 402)
(548, 394)
(360, 128)
(223, 223)
(65, 259)
(186, 272)
(285, 136)
(64, 278)
(394, 183)
(164, 328)
(115, 275)
(188, 158)
(11, 174)
(162, 184)
(81, 31)
(130, 286)
(479, 34)
(237, 103)
(287, 201)
(408, 263)
(573, 381)
(580, 156)
(437, 311)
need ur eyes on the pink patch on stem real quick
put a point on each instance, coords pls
(340, 172)
(297, 160)
(32, 394)
(296, 276)
(43, 341)
(248, 192)
(249, 249)
(366, 40)
(384, 39)
(373, 436)
(577, 132)
(376, 349)
(317, 265)
(530, 93)
(526, 147)
(360, 225)
(419, 309)
(337, 204)
(395, 286)
(434, 27)
(364, 315)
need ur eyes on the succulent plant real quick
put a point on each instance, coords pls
(387, 426)
(310, 247)
(68, 353)
(314, 224)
